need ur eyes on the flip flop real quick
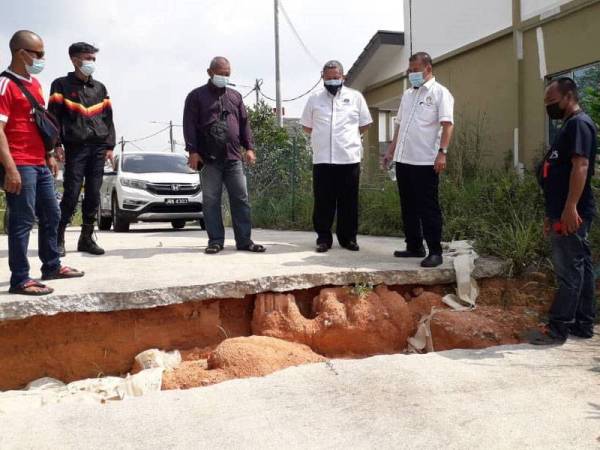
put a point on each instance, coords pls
(22, 289)
(63, 273)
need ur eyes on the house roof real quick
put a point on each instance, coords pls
(381, 39)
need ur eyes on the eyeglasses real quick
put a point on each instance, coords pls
(39, 55)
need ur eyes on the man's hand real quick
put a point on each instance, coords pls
(109, 156)
(440, 163)
(12, 181)
(194, 160)
(250, 157)
(52, 165)
(570, 220)
(59, 152)
(388, 157)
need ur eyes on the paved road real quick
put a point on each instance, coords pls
(158, 266)
(504, 397)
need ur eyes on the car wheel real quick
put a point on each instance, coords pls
(202, 224)
(104, 223)
(120, 224)
(178, 224)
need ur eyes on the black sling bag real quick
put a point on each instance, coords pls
(46, 123)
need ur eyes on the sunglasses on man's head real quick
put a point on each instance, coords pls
(39, 55)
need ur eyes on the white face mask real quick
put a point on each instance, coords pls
(87, 67)
(36, 66)
(220, 81)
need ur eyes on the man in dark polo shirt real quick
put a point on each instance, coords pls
(566, 175)
(216, 131)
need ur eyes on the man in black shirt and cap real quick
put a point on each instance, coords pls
(565, 176)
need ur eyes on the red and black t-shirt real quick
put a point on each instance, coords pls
(577, 137)
(24, 140)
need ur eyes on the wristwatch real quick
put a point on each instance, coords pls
(443, 150)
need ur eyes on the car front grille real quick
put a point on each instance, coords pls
(173, 188)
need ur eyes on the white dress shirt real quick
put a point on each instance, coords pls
(335, 120)
(419, 118)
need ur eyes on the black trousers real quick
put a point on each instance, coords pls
(421, 213)
(335, 188)
(84, 166)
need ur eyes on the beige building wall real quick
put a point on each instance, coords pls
(570, 41)
(483, 77)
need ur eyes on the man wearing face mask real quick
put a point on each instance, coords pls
(335, 118)
(423, 131)
(83, 108)
(28, 169)
(566, 176)
(216, 131)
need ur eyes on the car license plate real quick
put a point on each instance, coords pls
(176, 201)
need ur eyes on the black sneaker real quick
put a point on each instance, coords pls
(581, 333)
(537, 337)
(432, 261)
(352, 246)
(410, 253)
(322, 248)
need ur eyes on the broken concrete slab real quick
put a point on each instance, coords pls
(152, 267)
(498, 398)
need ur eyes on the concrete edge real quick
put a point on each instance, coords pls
(22, 308)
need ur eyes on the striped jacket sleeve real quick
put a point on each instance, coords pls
(56, 104)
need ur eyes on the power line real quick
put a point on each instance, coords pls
(294, 98)
(298, 37)
(149, 136)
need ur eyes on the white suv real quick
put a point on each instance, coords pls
(150, 187)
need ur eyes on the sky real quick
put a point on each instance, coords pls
(153, 52)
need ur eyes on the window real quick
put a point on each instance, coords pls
(588, 82)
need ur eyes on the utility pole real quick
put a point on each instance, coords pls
(277, 73)
(122, 142)
(171, 136)
(257, 91)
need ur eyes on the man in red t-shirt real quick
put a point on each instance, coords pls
(28, 170)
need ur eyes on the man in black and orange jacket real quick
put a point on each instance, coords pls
(83, 108)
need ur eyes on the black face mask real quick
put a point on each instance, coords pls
(333, 89)
(555, 112)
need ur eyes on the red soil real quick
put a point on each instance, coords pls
(334, 322)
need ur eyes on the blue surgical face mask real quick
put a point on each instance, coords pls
(36, 66)
(335, 82)
(417, 79)
(87, 67)
(333, 86)
(220, 81)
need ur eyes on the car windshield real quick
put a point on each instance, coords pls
(156, 163)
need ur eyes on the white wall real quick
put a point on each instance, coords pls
(440, 26)
(531, 8)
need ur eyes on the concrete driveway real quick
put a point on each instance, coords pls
(516, 397)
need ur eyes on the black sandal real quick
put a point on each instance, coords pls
(213, 249)
(254, 248)
(22, 289)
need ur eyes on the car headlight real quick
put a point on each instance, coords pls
(135, 184)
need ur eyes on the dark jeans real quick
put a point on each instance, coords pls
(421, 213)
(83, 164)
(335, 188)
(37, 198)
(231, 174)
(574, 303)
